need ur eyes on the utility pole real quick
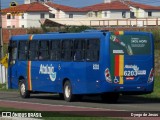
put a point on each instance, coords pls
(1, 40)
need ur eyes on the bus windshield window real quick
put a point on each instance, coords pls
(13, 50)
(130, 44)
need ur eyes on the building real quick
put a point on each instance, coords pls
(36, 12)
(144, 11)
(117, 9)
(109, 9)
(61, 11)
(31, 1)
(24, 16)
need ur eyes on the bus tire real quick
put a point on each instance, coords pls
(22, 89)
(110, 97)
(67, 90)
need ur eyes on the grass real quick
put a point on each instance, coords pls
(156, 93)
(2, 86)
(81, 118)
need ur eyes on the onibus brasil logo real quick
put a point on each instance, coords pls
(48, 70)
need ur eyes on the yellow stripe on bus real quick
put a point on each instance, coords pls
(30, 69)
(121, 69)
(121, 32)
(29, 76)
(31, 37)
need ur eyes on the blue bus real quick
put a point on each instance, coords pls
(85, 63)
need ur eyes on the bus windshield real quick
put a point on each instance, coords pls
(130, 44)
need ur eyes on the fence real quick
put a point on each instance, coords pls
(3, 74)
(126, 22)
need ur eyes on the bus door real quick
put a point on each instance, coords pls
(12, 65)
(131, 59)
(92, 64)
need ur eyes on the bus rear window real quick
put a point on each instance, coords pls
(130, 44)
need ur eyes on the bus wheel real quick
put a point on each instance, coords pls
(110, 97)
(68, 96)
(22, 88)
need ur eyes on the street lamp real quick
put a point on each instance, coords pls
(1, 40)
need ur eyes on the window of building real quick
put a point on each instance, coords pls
(42, 15)
(8, 26)
(70, 15)
(13, 16)
(13, 26)
(124, 14)
(105, 14)
(22, 26)
(96, 14)
(149, 14)
(22, 16)
(22, 50)
(8, 16)
(51, 15)
(132, 15)
(90, 14)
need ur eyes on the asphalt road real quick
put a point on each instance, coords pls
(125, 103)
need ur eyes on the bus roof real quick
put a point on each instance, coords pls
(48, 36)
(85, 34)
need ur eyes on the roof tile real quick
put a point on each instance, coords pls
(64, 8)
(33, 7)
(115, 5)
(143, 6)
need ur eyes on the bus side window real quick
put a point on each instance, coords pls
(67, 50)
(22, 50)
(92, 51)
(43, 53)
(55, 50)
(13, 50)
(33, 50)
(79, 50)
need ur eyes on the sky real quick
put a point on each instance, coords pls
(80, 3)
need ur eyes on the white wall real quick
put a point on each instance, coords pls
(139, 13)
(75, 14)
(155, 14)
(108, 14)
(23, 21)
(118, 14)
(34, 17)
